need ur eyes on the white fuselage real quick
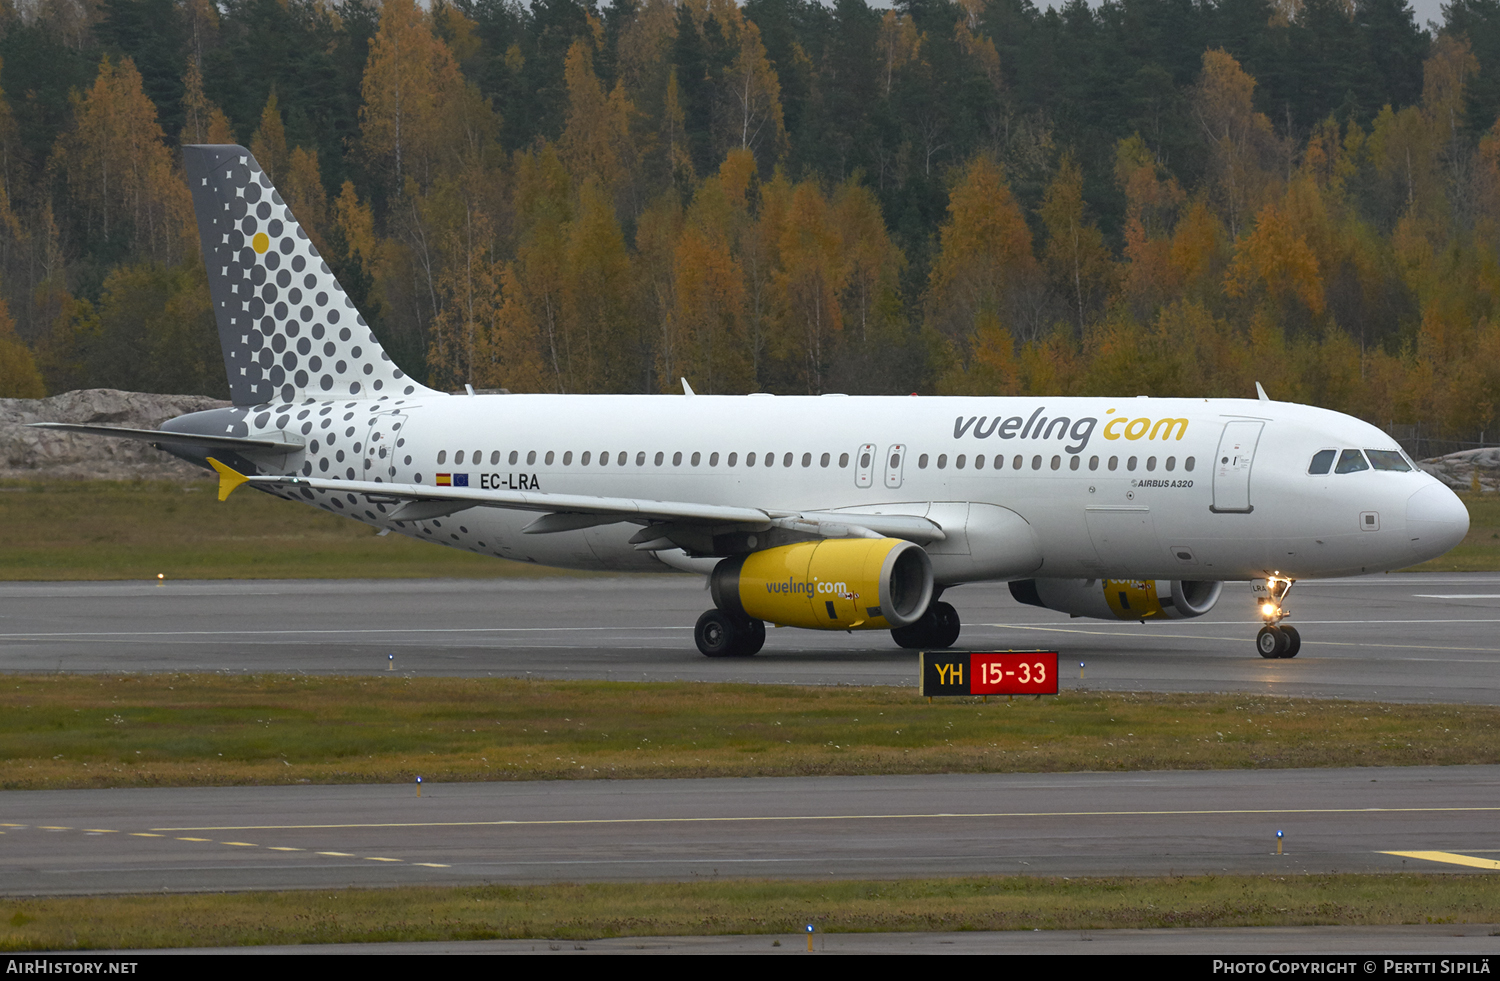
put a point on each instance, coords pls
(1215, 489)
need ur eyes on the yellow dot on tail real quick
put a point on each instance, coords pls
(260, 243)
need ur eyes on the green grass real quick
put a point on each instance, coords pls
(1480, 549)
(583, 912)
(184, 730)
(137, 530)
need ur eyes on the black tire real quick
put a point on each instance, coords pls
(1270, 642)
(1293, 641)
(913, 636)
(753, 638)
(717, 634)
(937, 628)
(945, 624)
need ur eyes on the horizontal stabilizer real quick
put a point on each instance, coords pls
(182, 439)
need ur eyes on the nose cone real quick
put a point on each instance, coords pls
(1436, 520)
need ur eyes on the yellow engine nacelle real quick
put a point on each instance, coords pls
(1120, 599)
(834, 584)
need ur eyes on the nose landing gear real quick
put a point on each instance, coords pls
(1275, 640)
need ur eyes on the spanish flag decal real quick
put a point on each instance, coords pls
(445, 480)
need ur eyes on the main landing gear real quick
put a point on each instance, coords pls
(719, 634)
(938, 628)
(1275, 639)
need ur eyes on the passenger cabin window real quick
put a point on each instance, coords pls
(843, 460)
(568, 459)
(677, 459)
(823, 461)
(922, 462)
(713, 459)
(458, 457)
(1351, 461)
(548, 459)
(513, 456)
(442, 456)
(749, 459)
(1387, 460)
(531, 458)
(623, 456)
(494, 457)
(583, 461)
(1322, 461)
(732, 457)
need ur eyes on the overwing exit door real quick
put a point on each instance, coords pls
(1232, 467)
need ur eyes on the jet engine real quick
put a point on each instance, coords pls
(1121, 599)
(833, 584)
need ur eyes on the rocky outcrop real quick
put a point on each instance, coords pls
(36, 453)
(1458, 470)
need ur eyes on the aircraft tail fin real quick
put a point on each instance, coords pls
(288, 329)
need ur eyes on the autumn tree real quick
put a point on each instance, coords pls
(411, 90)
(1076, 259)
(119, 173)
(985, 274)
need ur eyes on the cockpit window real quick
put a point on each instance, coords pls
(1351, 461)
(1387, 460)
(1322, 461)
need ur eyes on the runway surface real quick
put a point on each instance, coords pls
(1390, 637)
(1467, 940)
(1089, 824)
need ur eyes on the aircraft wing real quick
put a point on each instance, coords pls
(668, 523)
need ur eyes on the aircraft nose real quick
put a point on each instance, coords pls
(1436, 520)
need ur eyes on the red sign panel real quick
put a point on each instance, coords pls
(1015, 673)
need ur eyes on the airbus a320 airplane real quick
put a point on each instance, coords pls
(830, 512)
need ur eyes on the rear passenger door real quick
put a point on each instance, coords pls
(895, 459)
(864, 466)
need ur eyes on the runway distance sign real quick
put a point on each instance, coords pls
(989, 673)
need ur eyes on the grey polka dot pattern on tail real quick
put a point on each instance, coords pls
(270, 287)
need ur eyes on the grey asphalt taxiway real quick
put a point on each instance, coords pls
(1390, 638)
(1413, 637)
(1082, 824)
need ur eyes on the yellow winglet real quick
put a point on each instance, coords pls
(229, 478)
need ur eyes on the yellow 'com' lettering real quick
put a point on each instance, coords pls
(1166, 433)
(1139, 428)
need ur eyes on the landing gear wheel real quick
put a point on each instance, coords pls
(1271, 642)
(755, 638)
(1293, 641)
(938, 628)
(946, 625)
(718, 634)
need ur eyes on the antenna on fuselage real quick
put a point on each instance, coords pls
(1262, 393)
(686, 388)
